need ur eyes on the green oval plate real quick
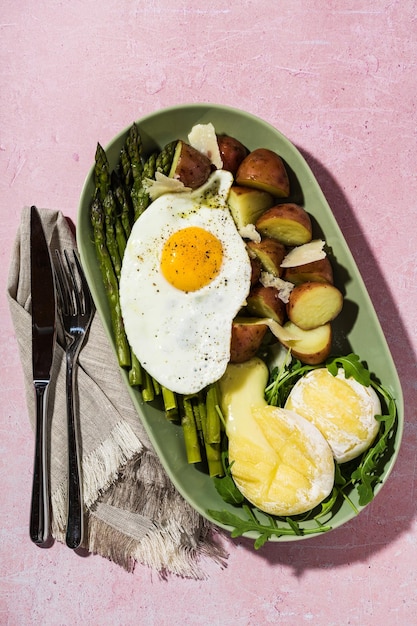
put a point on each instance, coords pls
(357, 328)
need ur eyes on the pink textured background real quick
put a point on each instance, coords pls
(339, 80)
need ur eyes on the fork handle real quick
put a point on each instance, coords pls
(75, 516)
(39, 509)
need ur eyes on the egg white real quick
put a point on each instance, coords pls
(183, 338)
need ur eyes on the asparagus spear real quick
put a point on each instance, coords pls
(212, 450)
(164, 158)
(101, 173)
(134, 150)
(111, 240)
(123, 204)
(139, 195)
(189, 429)
(124, 165)
(110, 283)
(213, 429)
(170, 403)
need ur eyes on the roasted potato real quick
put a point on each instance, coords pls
(190, 166)
(246, 339)
(314, 304)
(232, 152)
(288, 223)
(247, 204)
(264, 169)
(270, 253)
(320, 271)
(265, 302)
(256, 271)
(312, 346)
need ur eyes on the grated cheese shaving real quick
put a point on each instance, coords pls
(163, 184)
(284, 287)
(307, 253)
(249, 232)
(203, 138)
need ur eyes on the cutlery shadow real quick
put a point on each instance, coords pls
(392, 511)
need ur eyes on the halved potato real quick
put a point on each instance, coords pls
(313, 304)
(190, 166)
(288, 223)
(256, 271)
(247, 204)
(232, 152)
(264, 169)
(320, 271)
(312, 346)
(265, 302)
(246, 340)
(270, 252)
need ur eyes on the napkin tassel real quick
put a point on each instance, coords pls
(100, 470)
(136, 518)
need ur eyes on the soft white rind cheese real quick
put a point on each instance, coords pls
(280, 461)
(341, 408)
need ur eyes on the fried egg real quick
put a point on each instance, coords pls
(341, 408)
(185, 275)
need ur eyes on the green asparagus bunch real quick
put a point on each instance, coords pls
(120, 197)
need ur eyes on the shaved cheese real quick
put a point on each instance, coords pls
(249, 232)
(284, 287)
(307, 253)
(163, 184)
(281, 333)
(203, 138)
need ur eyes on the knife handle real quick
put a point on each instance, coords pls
(39, 513)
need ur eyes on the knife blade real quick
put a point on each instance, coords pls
(43, 345)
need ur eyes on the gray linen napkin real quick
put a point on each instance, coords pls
(134, 513)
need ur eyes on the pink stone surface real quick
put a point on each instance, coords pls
(339, 80)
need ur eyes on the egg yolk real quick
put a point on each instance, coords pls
(191, 258)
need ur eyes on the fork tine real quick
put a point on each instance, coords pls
(85, 290)
(64, 292)
(74, 288)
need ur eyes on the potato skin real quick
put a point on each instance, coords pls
(289, 223)
(314, 304)
(247, 204)
(264, 169)
(314, 346)
(270, 252)
(190, 166)
(315, 271)
(246, 340)
(232, 152)
(256, 271)
(265, 302)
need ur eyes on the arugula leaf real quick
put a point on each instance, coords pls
(367, 476)
(353, 368)
(227, 489)
(283, 379)
(266, 531)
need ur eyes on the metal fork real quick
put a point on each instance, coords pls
(77, 309)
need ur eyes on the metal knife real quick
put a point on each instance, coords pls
(43, 344)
